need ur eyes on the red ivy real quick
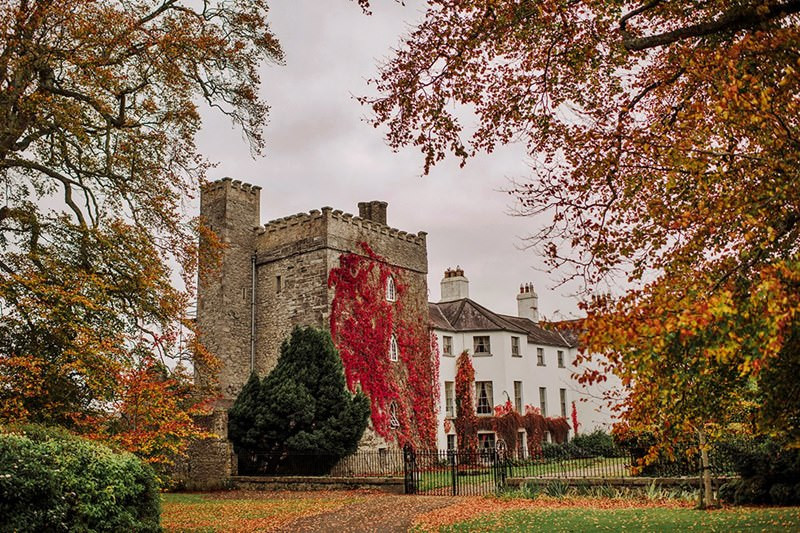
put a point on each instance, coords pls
(362, 323)
(575, 424)
(466, 419)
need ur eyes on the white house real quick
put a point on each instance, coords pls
(514, 358)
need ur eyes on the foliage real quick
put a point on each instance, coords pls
(53, 481)
(769, 472)
(362, 324)
(664, 140)
(302, 406)
(598, 443)
(97, 158)
(574, 416)
(466, 421)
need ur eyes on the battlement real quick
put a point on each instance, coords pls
(232, 183)
(329, 214)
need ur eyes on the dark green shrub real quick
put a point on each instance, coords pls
(598, 443)
(554, 451)
(727, 491)
(782, 494)
(53, 481)
(302, 408)
(751, 490)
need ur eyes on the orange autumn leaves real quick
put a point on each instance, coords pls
(665, 149)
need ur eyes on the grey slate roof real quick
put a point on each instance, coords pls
(468, 315)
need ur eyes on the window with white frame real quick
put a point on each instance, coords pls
(543, 401)
(447, 345)
(451, 442)
(518, 396)
(484, 403)
(450, 399)
(522, 443)
(562, 396)
(486, 441)
(560, 359)
(515, 347)
(481, 345)
(393, 349)
(540, 356)
(391, 290)
(394, 421)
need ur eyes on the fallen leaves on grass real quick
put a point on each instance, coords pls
(468, 508)
(245, 511)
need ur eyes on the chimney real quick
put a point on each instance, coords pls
(455, 286)
(374, 211)
(528, 302)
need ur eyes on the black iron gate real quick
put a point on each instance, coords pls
(451, 472)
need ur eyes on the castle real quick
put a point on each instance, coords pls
(276, 276)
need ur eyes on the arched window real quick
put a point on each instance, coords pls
(391, 290)
(393, 350)
(394, 421)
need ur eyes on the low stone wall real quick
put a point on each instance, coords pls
(643, 482)
(394, 485)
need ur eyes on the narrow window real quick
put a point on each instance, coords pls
(540, 356)
(561, 359)
(546, 436)
(278, 284)
(515, 347)
(481, 345)
(451, 442)
(543, 401)
(450, 399)
(391, 290)
(522, 443)
(518, 396)
(562, 394)
(483, 393)
(393, 350)
(447, 345)
(394, 421)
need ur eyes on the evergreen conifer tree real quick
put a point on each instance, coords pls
(301, 407)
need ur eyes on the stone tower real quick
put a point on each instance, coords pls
(224, 295)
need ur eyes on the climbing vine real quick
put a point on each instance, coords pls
(362, 325)
(505, 421)
(466, 421)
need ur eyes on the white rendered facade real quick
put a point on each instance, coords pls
(524, 363)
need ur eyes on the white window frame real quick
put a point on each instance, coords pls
(519, 400)
(515, 344)
(452, 441)
(560, 359)
(450, 399)
(391, 289)
(447, 345)
(486, 388)
(486, 349)
(394, 421)
(540, 357)
(543, 401)
(562, 396)
(393, 349)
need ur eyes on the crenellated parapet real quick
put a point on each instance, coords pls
(230, 183)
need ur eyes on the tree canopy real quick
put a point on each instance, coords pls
(302, 406)
(100, 108)
(664, 139)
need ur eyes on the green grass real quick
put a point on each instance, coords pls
(653, 519)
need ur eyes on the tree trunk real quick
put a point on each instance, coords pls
(707, 497)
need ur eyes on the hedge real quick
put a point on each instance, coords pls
(53, 481)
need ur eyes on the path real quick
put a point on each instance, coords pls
(378, 513)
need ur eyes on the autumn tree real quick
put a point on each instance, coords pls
(100, 108)
(665, 140)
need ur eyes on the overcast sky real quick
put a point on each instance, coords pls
(322, 152)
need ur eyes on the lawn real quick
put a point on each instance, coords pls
(647, 519)
(242, 511)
